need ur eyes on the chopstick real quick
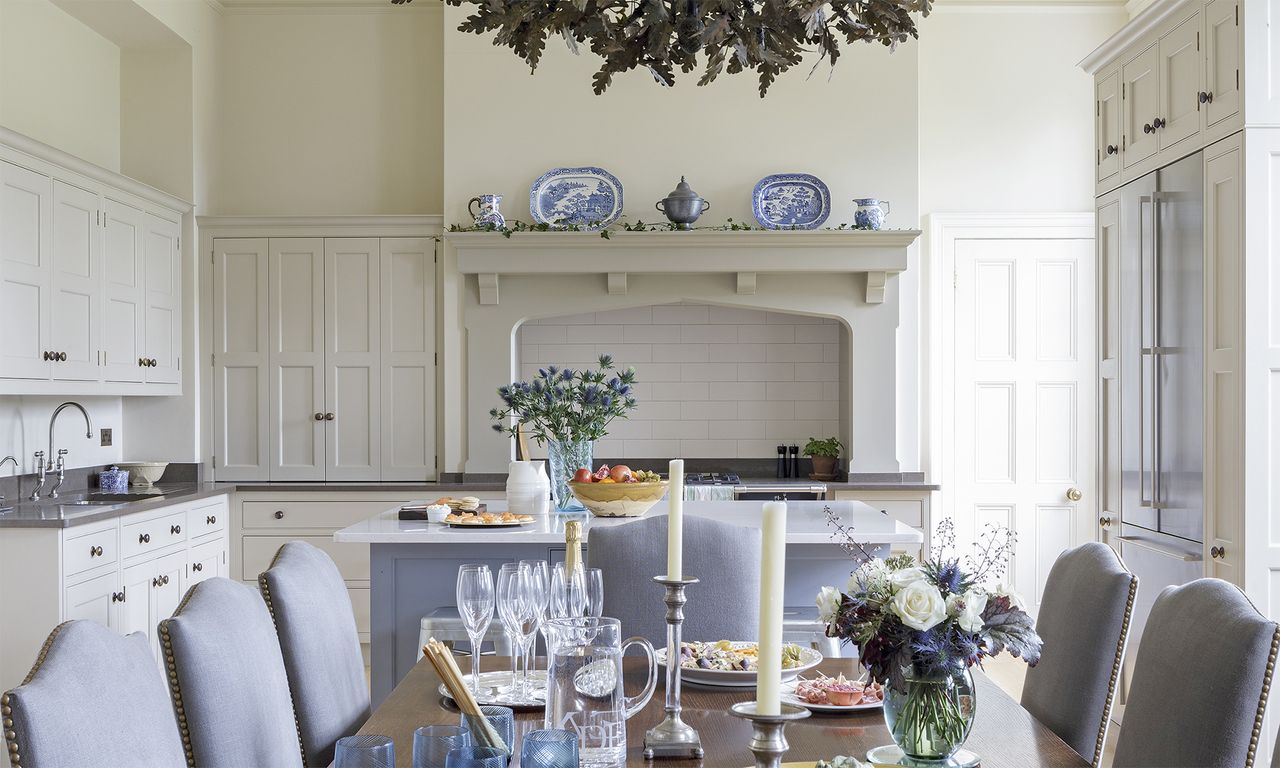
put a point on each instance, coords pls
(442, 661)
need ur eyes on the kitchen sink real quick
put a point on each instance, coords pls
(112, 498)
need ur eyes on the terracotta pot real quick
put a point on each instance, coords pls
(824, 465)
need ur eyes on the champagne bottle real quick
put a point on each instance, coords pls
(573, 546)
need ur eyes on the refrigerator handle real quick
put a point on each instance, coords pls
(1140, 543)
(1156, 349)
(1147, 484)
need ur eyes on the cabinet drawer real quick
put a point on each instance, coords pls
(90, 550)
(257, 552)
(152, 535)
(328, 515)
(206, 519)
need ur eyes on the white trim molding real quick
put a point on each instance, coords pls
(430, 225)
(1145, 22)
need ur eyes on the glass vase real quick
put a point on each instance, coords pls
(931, 720)
(566, 457)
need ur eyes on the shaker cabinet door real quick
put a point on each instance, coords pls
(296, 310)
(76, 284)
(1180, 67)
(25, 234)
(408, 359)
(352, 332)
(1140, 93)
(1107, 125)
(1221, 98)
(162, 336)
(241, 415)
(123, 300)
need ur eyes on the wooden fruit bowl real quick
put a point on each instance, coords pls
(619, 499)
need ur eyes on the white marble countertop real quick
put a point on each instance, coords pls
(806, 524)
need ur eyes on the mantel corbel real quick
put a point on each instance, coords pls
(488, 287)
(875, 287)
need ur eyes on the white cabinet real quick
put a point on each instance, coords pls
(90, 281)
(1109, 455)
(1141, 98)
(94, 600)
(1107, 125)
(1180, 67)
(324, 358)
(1221, 89)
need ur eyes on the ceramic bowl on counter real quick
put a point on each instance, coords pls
(144, 474)
(619, 499)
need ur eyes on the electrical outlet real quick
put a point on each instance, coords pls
(106, 437)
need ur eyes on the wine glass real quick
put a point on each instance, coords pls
(540, 583)
(518, 609)
(475, 607)
(568, 593)
(594, 592)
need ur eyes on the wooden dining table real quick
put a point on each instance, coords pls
(1004, 734)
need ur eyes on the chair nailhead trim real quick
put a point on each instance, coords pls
(266, 598)
(1115, 672)
(1262, 700)
(176, 691)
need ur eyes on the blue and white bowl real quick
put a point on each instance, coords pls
(791, 201)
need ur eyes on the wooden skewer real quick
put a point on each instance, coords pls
(446, 667)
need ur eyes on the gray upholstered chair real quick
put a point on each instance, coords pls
(725, 604)
(228, 680)
(1200, 681)
(1084, 621)
(92, 698)
(321, 645)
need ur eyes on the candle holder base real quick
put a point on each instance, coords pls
(768, 743)
(673, 738)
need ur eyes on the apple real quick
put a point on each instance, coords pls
(621, 473)
(582, 476)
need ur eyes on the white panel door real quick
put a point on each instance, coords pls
(1024, 418)
(162, 335)
(25, 235)
(1140, 94)
(296, 355)
(123, 293)
(353, 278)
(133, 612)
(408, 359)
(1180, 68)
(241, 414)
(92, 600)
(1221, 62)
(76, 284)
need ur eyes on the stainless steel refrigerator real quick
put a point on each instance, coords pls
(1162, 382)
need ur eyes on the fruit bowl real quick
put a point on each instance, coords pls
(144, 474)
(619, 499)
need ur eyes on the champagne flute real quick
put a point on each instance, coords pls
(475, 607)
(518, 609)
(567, 593)
(594, 589)
(540, 584)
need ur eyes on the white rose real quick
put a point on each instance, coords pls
(919, 605)
(828, 604)
(1001, 589)
(902, 578)
(967, 610)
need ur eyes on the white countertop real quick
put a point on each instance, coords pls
(806, 524)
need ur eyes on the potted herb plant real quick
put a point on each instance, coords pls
(825, 455)
(566, 410)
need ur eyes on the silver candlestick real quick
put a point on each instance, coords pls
(673, 737)
(767, 740)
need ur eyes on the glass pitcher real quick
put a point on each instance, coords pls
(584, 686)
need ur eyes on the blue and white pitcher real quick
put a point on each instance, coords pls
(870, 212)
(488, 214)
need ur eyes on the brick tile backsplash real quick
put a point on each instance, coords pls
(714, 382)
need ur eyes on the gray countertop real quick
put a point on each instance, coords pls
(64, 513)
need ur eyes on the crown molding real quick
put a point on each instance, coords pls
(1145, 22)
(1027, 6)
(252, 7)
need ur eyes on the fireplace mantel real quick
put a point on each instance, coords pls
(744, 254)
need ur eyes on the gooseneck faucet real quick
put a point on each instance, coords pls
(16, 468)
(41, 456)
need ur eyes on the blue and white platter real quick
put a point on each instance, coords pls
(791, 201)
(590, 198)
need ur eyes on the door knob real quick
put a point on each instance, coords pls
(1074, 494)
(1104, 522)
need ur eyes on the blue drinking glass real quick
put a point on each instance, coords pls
(366, 751)
(503, 720)
(475, 757)
(431, 744)
(549, 749)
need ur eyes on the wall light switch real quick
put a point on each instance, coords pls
(106, 437)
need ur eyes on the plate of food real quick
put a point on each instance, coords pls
(731, 664)
(833, 694)
(459, 519)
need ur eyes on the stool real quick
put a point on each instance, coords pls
(445, 625)
(801, 626)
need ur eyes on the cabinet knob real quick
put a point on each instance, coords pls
(1206, 97)
(95, 551)
(117, 597)
(319, 416)
(153, 362)
(328, 417)
(175, 529)
(144, 538)
(1112, 149)
(1217, 553)
(46, 356)
(1159, 122)
(197, 567)
(211, 520)
(62, 357)
(279, 514)
(1104, 522)
(142, 363)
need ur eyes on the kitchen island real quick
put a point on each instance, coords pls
(414, 563)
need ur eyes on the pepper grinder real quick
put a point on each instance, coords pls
(795, 460)
(782, 461)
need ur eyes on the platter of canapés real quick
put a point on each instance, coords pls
(469, 512)
(733, 664)
(617, 491)
(833, 694)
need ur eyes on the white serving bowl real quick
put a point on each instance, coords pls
(144, 474)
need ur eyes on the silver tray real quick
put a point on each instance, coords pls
(493, 685)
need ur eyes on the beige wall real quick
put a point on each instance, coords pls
(59, 81)
(331, 113)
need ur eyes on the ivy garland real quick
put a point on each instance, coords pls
(729, 226)
(768, 37)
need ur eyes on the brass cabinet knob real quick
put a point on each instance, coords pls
(1074, 494)
(144, 538)
(1104, 522)
(279, 514)
(1217, 553)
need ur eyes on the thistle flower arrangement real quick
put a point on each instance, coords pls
(565, 405)
(930, 619)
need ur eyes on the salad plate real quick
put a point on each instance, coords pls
(726, 654)
(791, 201)
(588, 197)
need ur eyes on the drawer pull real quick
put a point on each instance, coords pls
(279, 514)
(95, 551)
(197, 567)
(144, 538)
(211, 520)
(175, 529)
(160, 581)
(117, 597)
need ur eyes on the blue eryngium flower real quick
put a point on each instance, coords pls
(567, 374)
(949, 576)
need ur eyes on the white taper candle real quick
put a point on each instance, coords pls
(675, 519)
(773, 561)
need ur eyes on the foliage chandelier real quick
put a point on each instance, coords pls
(766, 36)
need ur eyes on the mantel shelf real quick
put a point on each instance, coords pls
(744, 253)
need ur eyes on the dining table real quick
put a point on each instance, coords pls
(1004, 734)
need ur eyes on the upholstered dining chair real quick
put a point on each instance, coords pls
(227, 679)
(93, 698)
(1084, 622)
(723, 605)
(1200, 681)
(317, 629)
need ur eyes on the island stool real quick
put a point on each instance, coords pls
(801, 626)
(445, 625)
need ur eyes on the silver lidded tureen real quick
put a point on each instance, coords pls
(683, 206)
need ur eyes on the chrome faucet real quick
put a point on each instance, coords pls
(16, 467)
(61, 467)
(41, 455)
